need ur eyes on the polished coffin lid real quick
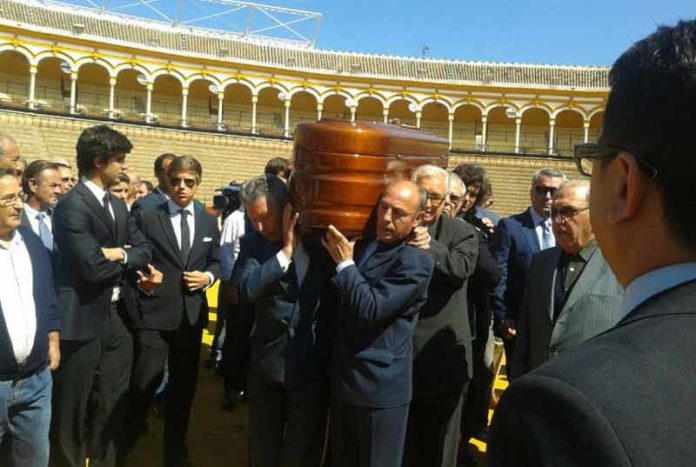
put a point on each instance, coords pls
(340, 169)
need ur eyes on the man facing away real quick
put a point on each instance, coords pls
(42, 188)
(161, 193)
(625, 397)
(571, 294)
(29, 335)
(515, 240)
(95, 242)
(380, 290)
(284, 278)
(171, 316)
(442, 364)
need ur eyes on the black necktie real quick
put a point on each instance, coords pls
(185, 236)
(105, 202)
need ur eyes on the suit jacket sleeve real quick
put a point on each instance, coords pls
(213, 263)
(255, 277)
(140, 252)
(392, 295)
(456, 262)
(501, 252)
(542, 421)
(518, 365)
(487, 273)
(72, 231)
(54, 313)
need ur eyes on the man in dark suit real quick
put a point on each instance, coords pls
(380, 290)
(171, 317)
(283, 277)
(95, 241)
(442, 364)
(29, 334)
(515, 240)
(161, 192)
(42, 188)
(571, 294)
(625, 397)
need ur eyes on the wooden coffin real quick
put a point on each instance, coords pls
(340, 169)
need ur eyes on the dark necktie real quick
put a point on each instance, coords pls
(185, 236)
(44, 232)
(105, 202)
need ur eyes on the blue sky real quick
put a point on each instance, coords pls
(580, 32)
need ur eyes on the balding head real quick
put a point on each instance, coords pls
(399, 211)
(9, 150)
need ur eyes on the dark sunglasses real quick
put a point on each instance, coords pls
(586, 154)
(176, 181)
(545, 190)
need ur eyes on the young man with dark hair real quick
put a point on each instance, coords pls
(626, 396)
(42, 188)
(170, 317)
(280, 167)
(95, 242)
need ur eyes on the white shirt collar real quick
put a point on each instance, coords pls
(96, 190)
(31, 212)
(14, 241)
(175, 208)
(653, 282)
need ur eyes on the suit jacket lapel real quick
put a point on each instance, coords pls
(530, 232)
(199, 223)
(379, 257)
(589, 276)
(96, 207)
(548, 276)
(166, 222)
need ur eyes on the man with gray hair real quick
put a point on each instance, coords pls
(442, 365)
(571, 294)
(284, 278)
(515, 240)
(454, 201)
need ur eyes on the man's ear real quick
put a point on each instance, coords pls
(628, 186)
(32, 184)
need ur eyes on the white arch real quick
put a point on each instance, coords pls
(595, 112)
(163, 71)
(336, 92)
(241, 81)
(470, 103)
(23, 51)
(528, 107)
(267, 84)
(46, 54)
(576, 110)
(200, 76)
(496, 104)
(374, 95)
(402, 97)
(130, 66)
(444, 102)
(299, 89)
(87, 60)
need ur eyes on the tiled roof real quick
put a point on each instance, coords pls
(227, 46)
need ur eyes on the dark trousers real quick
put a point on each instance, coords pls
(236, 349)
(432, 438)
(90, 397)
(179, 349)
(367, 437)
(475, 410)
(286, 425)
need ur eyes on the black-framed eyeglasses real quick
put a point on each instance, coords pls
(176, 181)
(545, 190)
(436, 199)
(10, 200)
(567, 212)
(585, 155)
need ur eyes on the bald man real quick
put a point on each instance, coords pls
(380, 291)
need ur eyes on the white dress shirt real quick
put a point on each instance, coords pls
(230, 242)
(99, 193)
(17, 296)
(34, 222)
(653, 282)
(301, 260)
(539, 229)
(175, 217)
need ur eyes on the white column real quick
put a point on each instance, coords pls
(112, 95)
(418, 118)
(254, 100)
(221, 98)
(586, 126)
(385, 114)
(184, 107)
(286, 129)
(518, 127)
(353, 112)
(484, 131)
(148, 105)
(73, 91)
(552, 125)
(450, 127)
(32, 86)
(320, 108)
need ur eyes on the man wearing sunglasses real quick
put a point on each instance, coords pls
(626, 396)
(171, 317)
(515, 240)
(571, 294)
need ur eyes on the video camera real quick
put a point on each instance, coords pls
(226, 199)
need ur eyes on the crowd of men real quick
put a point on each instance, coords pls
(372, 351)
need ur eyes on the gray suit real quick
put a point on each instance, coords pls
(592, 306)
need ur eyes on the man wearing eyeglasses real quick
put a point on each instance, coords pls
(171, 316)
(515, 240)
(442, 366)
(625, 397)
(571, 294)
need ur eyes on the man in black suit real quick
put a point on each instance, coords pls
(625, 397)
(95, 241)
(42, 188)
(442, 364)
(380, 290)
(515, 240)
(171, 317)
(284, 277)
(161, 192)
(571, 294)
